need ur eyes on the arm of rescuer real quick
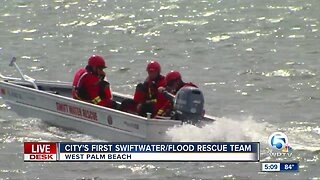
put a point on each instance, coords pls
(105, 85)
(161, 99)
(96, 89)
(167, 105)
(140, 94)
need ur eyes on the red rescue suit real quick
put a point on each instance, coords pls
(89, 87)
(147, 93)
(167, 106)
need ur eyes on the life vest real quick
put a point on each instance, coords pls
(147, 92)
(90, 93)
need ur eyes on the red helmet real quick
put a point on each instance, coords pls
(96, 60)
(173, 75)
(153, 66)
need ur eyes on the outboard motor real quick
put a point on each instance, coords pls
(189, 105)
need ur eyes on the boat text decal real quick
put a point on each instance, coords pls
(76, 111)
(3, 91)
(132, 125)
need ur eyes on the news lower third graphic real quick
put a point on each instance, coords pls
(155, 151)
(278, 141)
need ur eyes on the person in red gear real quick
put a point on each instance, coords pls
(174, 84)
(147, 97)
(89, 84)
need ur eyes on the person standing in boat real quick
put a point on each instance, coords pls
(173, 84)
(146, 96)
(89, 83)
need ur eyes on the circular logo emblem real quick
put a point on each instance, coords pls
(109, 120)
(278, 140)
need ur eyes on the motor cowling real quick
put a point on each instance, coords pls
(189, 104)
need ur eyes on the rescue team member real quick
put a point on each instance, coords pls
(174, 84)
(89, 84)
(147, 97)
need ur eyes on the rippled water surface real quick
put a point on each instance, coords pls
(257, 63)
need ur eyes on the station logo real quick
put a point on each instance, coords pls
(278, 141)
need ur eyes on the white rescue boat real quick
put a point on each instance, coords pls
(52, 102)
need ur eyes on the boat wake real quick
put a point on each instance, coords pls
(223, 129)
(246, 129)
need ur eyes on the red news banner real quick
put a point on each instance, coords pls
(40, 151)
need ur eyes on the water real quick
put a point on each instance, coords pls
(256, 62)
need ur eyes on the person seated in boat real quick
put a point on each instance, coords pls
(174, 83)
(146, 96)
(90, 83)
